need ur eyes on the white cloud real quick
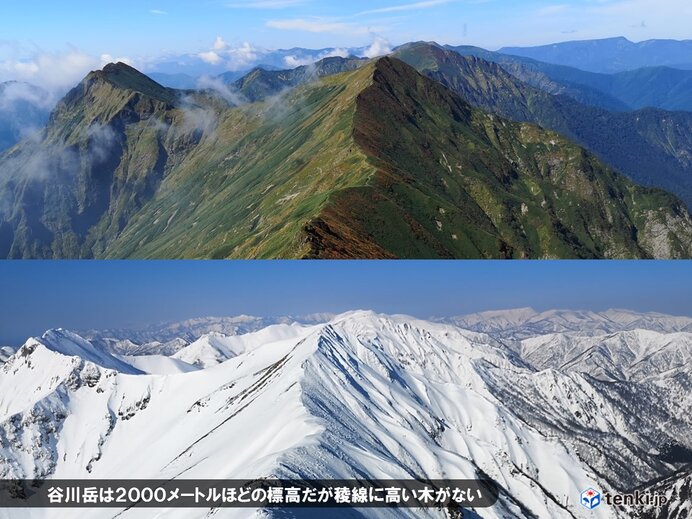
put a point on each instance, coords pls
(230, 58)
(220, 44)
(218, 86)
(210, 57)
(240, 57)
(52, 71)
(380, 47)
(158, 12)
(295, 61)
(12, 93)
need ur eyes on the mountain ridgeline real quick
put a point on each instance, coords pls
(360, 394)
(101, 156)
(650, 146)
(611, 54)
(377, 161)
(648, 87)
(261, 83)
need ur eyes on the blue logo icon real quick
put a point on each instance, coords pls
(590, 498)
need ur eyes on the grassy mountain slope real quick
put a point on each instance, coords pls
(378, 162)
(253, 183)
(455, 182)
(650, 146)
(105, 151)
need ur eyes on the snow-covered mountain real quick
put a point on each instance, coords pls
(5, 353)
(168, 338)
(677, 489)
(360, 394)
(526, 322)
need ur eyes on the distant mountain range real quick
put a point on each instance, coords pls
(648, 87)
(246, 57)
(260, 83)
(611, 54)
(652, 147)
(521, 323)
(362, 394)
(178, 81)
(656, 82)
(513, 324)
(350, 158)
(173, 336)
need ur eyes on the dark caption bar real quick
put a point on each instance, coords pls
(451, 494)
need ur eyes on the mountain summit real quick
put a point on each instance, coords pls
(367, 395)
(126, 77)
(376, 162)
(104, 95)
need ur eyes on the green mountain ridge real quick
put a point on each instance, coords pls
(378, 162)
(260, 83)
(102, 155)
(652, 147)
(550, 78)
(661, 87)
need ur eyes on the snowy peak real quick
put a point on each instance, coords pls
(215, 348)
(500, 318)
(207, 351)
(525, 322)
(361, 394)
(628, 355)
(403, 402)
(192, 329)
(72, 345)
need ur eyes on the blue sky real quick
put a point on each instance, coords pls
(42, 36)
(36, 296)
(153, 27)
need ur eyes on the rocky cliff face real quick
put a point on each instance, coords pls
(107, 147)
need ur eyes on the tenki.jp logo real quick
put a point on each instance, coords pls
(590, 498)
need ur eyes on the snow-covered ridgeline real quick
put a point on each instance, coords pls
(386, 396)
